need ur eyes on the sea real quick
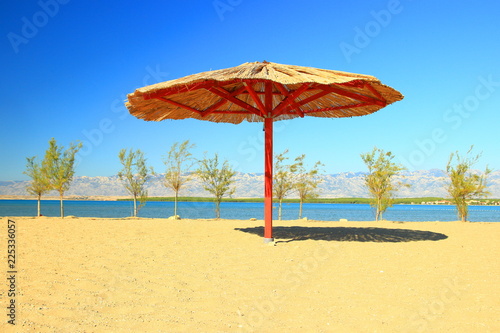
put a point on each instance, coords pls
(245, 211)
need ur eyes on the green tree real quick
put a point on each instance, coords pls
(380, 179)
(134, 176)
(217, 179)
(283, 179)
(306, 182)
(464, 183)
(178, 162)
(59, 166)
(39, 183)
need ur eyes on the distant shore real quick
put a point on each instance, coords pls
(70, 197)
(407, 201)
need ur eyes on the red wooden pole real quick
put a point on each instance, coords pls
(268, 181)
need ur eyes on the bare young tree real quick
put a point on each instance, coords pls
(217, 179)
(380, 180)
(178, 162)
(134, 176)
(59, 166)
(464, 183)
(39, 183)
(283, 179)
(306, 182)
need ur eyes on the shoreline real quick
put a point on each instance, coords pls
(251, 220)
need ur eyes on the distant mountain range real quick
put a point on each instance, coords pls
(424, 183)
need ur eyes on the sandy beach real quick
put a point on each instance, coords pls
(158, 275)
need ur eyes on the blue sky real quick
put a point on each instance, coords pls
(66, 67)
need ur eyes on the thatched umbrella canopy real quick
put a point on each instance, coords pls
(228, 95)
(262, 92)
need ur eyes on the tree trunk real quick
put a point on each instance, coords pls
(38, 205)
(279, 209)
(175, 203)
(300, 208)
(135, 205)
(217, 208)
(62, 205)
(462, 209)
(464, 212)
(378, 214)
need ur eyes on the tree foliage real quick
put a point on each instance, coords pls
(39, 184)
(306, 182)
(217, 179)
(380, 179)
(283, 179)
(464, 183)
(178, 162)
(134, 175)
(59, 167)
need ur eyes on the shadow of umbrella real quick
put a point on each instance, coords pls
(351, 234)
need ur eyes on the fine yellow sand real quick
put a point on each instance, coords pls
(158, 275)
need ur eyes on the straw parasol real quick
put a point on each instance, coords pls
(262, 92)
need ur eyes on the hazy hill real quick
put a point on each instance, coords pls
(424, 183)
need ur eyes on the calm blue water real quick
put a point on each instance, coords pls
(243, 211)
